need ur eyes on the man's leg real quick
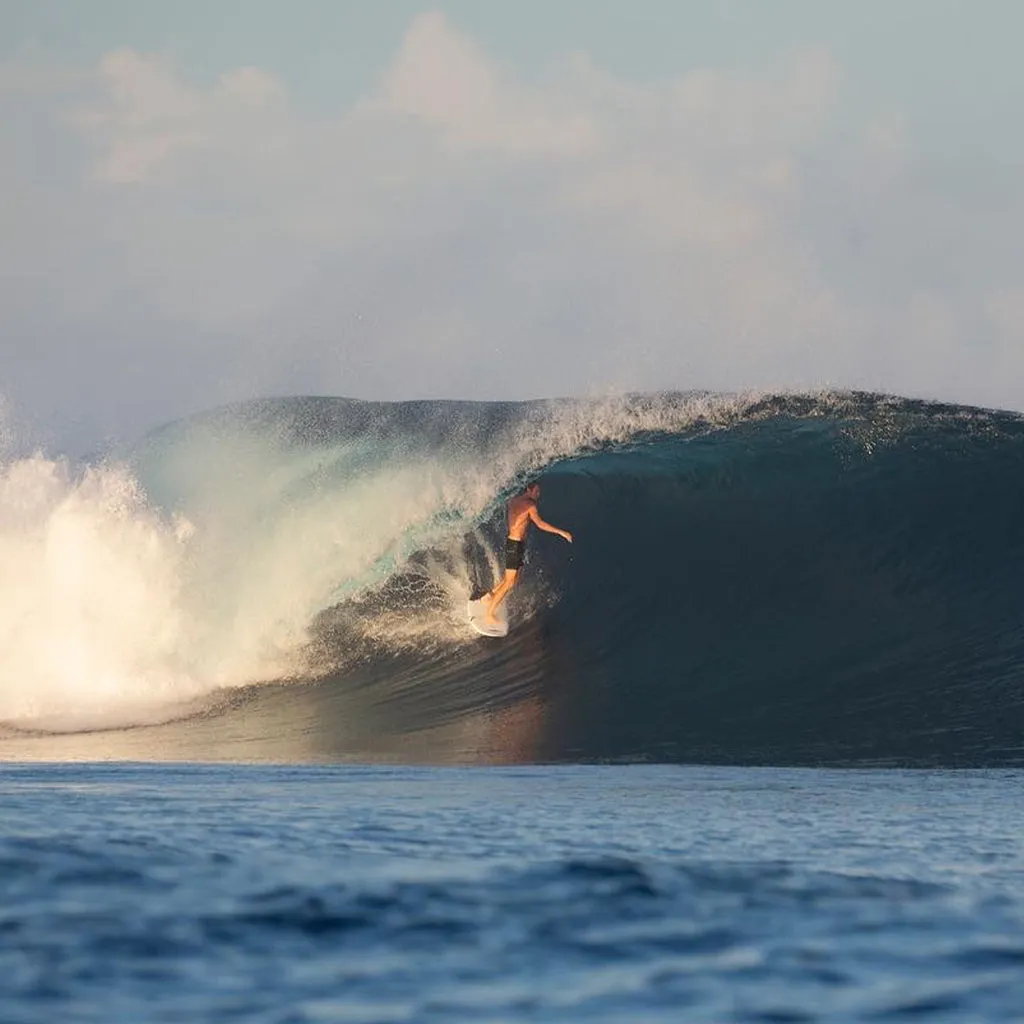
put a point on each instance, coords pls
(499, 593)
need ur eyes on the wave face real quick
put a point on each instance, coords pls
(827, 579)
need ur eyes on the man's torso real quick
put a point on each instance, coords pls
(519, 516)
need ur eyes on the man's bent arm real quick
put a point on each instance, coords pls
(547, 527)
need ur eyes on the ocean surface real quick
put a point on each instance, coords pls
(563, 893)
(752, 750)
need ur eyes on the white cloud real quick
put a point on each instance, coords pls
(148, 119)
(442, 78)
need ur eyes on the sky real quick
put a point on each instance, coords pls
(205, 202)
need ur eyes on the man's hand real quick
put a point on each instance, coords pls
(566, 534)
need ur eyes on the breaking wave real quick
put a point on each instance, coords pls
(828, 579)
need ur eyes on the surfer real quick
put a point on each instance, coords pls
(521, 510)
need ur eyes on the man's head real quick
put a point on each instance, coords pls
(532, 490)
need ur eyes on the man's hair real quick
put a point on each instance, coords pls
(531, 485)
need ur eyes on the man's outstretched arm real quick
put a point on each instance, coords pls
(547, 527)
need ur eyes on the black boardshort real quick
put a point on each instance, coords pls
(515, 553)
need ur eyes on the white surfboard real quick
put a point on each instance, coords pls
(477, 619)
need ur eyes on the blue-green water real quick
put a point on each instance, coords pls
(573, 893)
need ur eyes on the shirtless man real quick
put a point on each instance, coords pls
(522, 510)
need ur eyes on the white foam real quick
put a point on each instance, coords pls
(89, 583)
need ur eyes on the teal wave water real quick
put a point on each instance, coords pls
(818, 579)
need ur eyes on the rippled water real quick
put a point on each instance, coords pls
(170, 893)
